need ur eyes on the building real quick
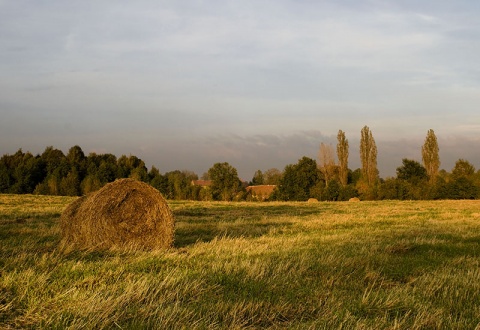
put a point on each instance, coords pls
(261, 192)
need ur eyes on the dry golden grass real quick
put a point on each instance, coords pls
(24, 207)
(368, 265)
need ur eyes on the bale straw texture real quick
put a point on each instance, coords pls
(123, 213)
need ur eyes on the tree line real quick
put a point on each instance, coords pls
(330, 179)
(75, 174)
(413, 181)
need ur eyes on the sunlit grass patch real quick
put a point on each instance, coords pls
(367, 265)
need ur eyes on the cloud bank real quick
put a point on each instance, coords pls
(255, 83)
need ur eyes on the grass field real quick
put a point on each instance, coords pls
(367, 265)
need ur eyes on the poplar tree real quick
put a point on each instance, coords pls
(368, 156)
(327, 162)
(430, 157)
(342, 154)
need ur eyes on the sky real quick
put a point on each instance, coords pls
(258, 84)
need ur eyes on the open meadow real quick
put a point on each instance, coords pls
(328, 265)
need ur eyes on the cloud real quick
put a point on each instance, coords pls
(256, 83)
(247, 153)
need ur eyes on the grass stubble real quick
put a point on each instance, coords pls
(368, 265)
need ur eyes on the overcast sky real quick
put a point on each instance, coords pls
(258, 84)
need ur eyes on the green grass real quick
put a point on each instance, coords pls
(368, 265)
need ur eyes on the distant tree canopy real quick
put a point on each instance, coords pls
(414, 183)
(298, 180)
(225, 182)
(411, 171)
(75, 173)
(271, 176)
(258, 178)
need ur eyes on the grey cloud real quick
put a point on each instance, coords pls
(246, 153)
(250, 153)
(186, 84)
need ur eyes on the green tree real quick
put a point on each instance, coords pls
(463, 168)
(257, 179)
(394, 188)
(106, 172)
(412, 181)
(289, 188)
(272, 176)
(56, 168)
(90, 184)
(460, 188)
(21, 172)
(131, 167)
(225, 181)
(179, 185)
(157, 180)
(5, 179)
(100, 170)
(139, 173)
(347, 192)
(412, 171)
(70, 185)
(75, 155)
(52, 185)
(55, 162)
(333, 191)
(354, 176)
(430, 156)
(299, 180)
(462, 184)
(342, 155)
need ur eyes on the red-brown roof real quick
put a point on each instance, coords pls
(261, 191)
(202, 183)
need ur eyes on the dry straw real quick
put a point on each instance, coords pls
(123, 213)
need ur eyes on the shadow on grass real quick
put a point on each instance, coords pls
(229, 212)
(202, 224)
(191, 234)
(405, 261)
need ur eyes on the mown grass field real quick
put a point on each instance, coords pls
(367, 265)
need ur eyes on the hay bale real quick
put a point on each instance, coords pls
(312, 200)
(354, 199)
(123, 213)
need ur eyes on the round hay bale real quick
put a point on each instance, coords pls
(354, 199)
(123, 213)
(312, 200)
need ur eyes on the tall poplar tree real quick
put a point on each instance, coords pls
(342, 154)
(430, 157)
(368, 156)
(327, 162)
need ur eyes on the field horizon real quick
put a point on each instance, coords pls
(250, 265)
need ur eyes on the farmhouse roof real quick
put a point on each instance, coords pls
(262, 191)
(202, 183)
